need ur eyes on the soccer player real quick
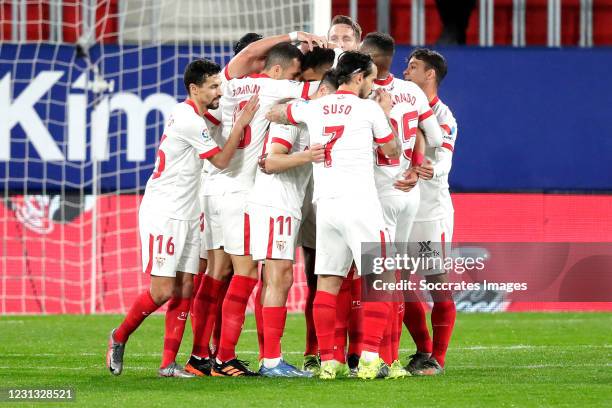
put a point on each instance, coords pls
(348, 210)
(221, 227)
(434, 220)
(213, 121)
(345, 33)
(410, 111)
(229, 188)
(168, 215)
(275, 208)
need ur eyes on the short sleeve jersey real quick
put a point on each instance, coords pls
(240, 173)
(173, 187)
(347, 126)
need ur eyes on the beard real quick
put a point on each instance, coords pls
(364, 93)
(214, 104)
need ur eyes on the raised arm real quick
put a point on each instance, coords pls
(248, 60)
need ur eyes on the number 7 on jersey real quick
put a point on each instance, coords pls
(334, 133)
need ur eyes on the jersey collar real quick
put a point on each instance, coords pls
(434, 101)
(191, 103)
(346, 93)
(259, 76)
(384, 82)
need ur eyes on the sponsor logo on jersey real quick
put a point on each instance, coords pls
(425, 249)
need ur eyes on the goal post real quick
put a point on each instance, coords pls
(85, 88)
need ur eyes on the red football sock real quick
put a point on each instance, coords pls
(259, 319)
(205, 311)
(216, 336)
(176, 317)
(343, 310)
(141, 308)
(355, 319)
(375, 318)
(274, 318)
(311, 334)
(442, 321)
(234, 306)
(197, 280)
(324, 314)
(416, 323)
(397, 333)
(386, 344)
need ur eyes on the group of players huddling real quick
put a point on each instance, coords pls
(321, 148)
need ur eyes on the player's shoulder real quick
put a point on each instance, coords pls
(442, 110)
(186, 118)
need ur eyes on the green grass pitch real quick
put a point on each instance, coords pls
(495, 360)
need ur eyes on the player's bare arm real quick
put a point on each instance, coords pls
(222, 159)
(278, 114)
(391, 149)
(279, 159)
(244, 63)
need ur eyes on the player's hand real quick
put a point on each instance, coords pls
(317, 153)
(312, 40)
(425, 171)
(384, 100)
(247, 112)
(408, 182)
(332, 45)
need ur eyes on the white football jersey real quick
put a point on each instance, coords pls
(436, 201)
(410, 109)
(173, 187)
(213, 122)
(240, 173)
(284, 190)
(346, 125)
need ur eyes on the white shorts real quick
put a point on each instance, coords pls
(213, 233)
(432, 239)
(228, 222)
(343, 224)
(168, 245)
(273, 233)
(399, 212)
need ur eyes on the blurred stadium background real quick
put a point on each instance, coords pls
(85, 87)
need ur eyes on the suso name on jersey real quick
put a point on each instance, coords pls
(336, 109)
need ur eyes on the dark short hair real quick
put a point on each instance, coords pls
(197, 71)
(340, 19)
(433, 60)
(351, 63)
(317, 58)
(330, 79)
(246, 40)
(282, 54)
(382, 42)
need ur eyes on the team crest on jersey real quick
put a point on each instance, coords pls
(281, 245)
(160, 260)
(205, 134)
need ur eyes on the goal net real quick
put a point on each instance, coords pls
(85, 87)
